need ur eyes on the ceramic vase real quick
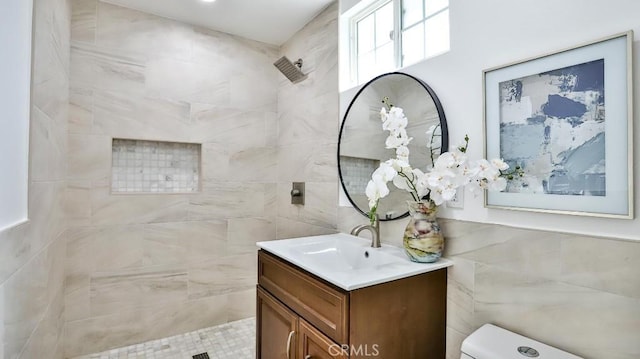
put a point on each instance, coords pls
(423, 241)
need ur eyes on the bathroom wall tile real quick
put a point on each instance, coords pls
(525, 251)
(48, 148)
(299, 124)
(84, 20)
(77, 303)
(131, 326)
(460, 295)
(253, 92)
(547, 310)
(256, 164)
(241, 304)
(46, 214)
(80, 110)
(235, 129)
(245, 232)
(454, 343)
(186, 81)
(183, 242)
(15, 251)
(79, 264)
(77, 203)
(115, 291)
(27, 296)
(309, 161)
(93, 67)
(463, 237)
(271, 201)
(602, 264)
(134, 116)
(89, 157)
(320, 204)
(123, 29)
(288, 228)
(227, 200)
(109, 209)
(48, 335)
(126, 240)
(223, 275)
(51, 60)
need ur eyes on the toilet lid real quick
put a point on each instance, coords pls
(492, 342)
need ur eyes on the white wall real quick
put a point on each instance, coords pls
(15, 85)
(490, 33)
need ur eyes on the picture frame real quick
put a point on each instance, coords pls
(566, 119)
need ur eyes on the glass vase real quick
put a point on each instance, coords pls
(423, 241)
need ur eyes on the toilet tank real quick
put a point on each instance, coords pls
(491, 342)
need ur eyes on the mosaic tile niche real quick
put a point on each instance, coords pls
(356, 172)
(154, 166)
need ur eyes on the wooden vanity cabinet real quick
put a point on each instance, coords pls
(401, 319)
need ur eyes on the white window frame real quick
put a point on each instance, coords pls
(352, 23)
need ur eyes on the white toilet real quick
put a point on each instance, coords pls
(491, 342)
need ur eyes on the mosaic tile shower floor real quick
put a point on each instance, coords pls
(235, 340)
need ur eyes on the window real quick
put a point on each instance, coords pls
(388, 34)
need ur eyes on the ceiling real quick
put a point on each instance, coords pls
(270, 21)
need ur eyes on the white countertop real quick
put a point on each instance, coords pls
(347, 261)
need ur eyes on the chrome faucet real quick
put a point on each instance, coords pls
(373, 228)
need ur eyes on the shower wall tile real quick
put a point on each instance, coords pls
(241, 304)
(48, 148)
(227, 200)
(147, 266)
(108, 208)
(223, 275)
(315, 161)
(244, 233)
(118, 290)
(308, 130)
(132, 326)
(186, 81)
(84, 17)
(32, 253)
(184, 242)
(312, 119)
(89, 157)
(137, 32)
(94, 67)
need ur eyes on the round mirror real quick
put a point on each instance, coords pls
(361, 145)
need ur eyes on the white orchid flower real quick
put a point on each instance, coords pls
(499, 164)
(385, 172)
(376, 189)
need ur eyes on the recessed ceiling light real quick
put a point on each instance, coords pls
(208, 0)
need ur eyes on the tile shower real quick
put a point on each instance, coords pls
(157, 248)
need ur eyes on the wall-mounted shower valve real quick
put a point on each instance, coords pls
(297, 193)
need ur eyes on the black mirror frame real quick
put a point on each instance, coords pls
(443, 127)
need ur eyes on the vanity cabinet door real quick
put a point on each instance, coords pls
(276, 328)
(312, 344)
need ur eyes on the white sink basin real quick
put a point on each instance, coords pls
(341, 254)
(347, 261)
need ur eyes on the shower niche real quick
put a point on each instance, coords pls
(141, 166)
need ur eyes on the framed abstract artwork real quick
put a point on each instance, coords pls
(566, 119)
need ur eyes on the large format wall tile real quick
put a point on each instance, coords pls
(602, 264)
(146, 266)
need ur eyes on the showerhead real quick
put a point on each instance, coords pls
(292, 70)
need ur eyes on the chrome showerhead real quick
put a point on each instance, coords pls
(292, 70)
